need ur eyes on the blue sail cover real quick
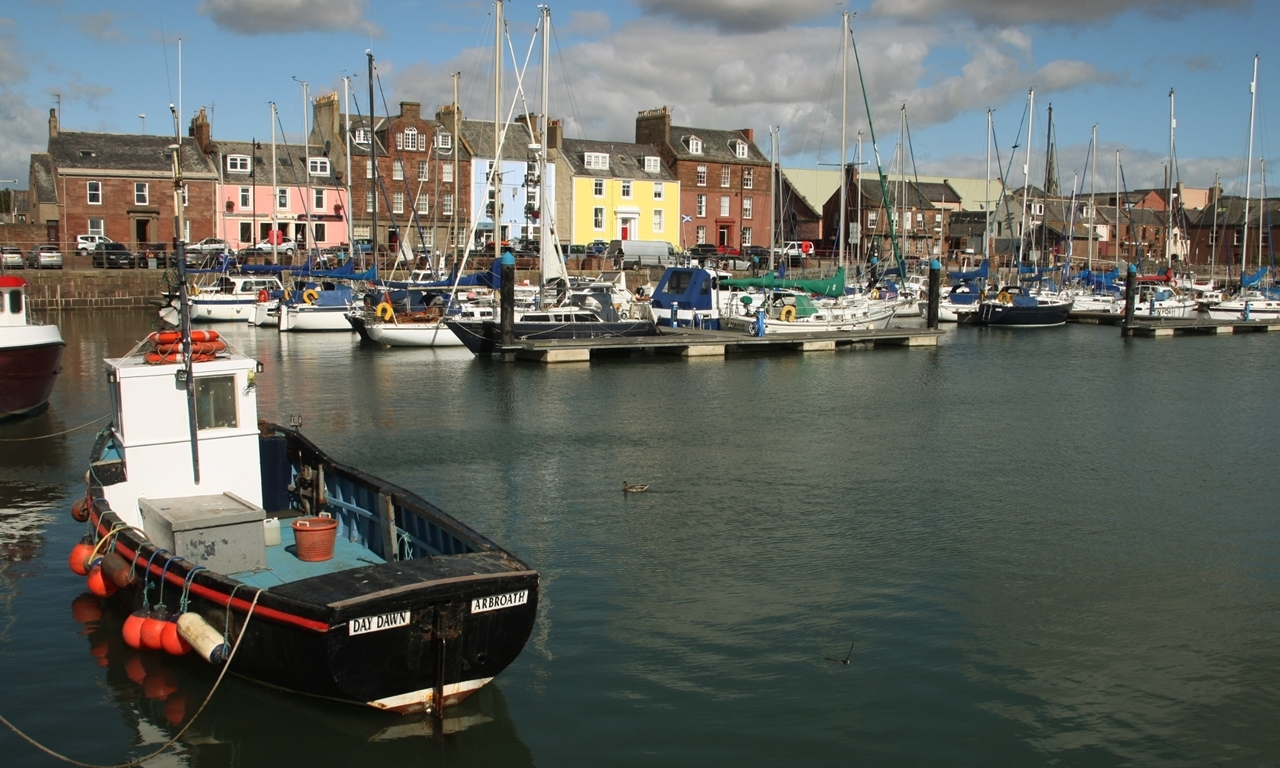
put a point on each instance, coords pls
(491, 279)
(1249, 281)
(981, 273)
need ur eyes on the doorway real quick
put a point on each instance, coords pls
(141, 232)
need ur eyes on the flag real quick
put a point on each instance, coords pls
(686, 218)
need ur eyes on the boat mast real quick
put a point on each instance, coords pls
(275, 251)
(497, 129)
(346, 103)
(373, 166)
(454, 143)
(1026, 178)
(184, 309)
(986, 219)
(842, 233)
(1093, 196)
(774, 201)
(1262, 203)
(1168, 228)
(1213, 239)
(1117, 238)
(548, 249)
(857, 164)
(1248, 177)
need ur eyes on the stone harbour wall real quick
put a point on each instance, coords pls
(91, 289)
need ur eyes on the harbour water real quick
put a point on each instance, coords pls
(1046, 547)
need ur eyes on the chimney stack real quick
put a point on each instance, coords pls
(53, 123)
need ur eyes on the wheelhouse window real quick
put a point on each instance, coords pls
(141, 193)
(216, 403)
(15, 301)
(238, 163)
(318, 166)
(95, 192)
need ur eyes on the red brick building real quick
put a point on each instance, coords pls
(121, 186)
(724, 180)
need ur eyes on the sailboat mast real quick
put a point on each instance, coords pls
(1248, 176)
(1117, 207)
(544, 223)
(986, 218)
(1026, 176)
(497, 129)
(454, 142)
(773, 197)
(1213, 238)
(1262, 203)
(842, 233)
(275, 258)
(1093, 196)
(1168, 228)
(861, 255)
(346, 105)
(373, 169)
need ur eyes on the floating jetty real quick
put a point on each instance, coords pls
(691, 342)
(1182, 327)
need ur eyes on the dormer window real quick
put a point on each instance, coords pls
(651, 165)
(444, 140)
(596, 161)
(694, 144)
(238, 163)
(740, 149)
(361, 136)
(318, 166)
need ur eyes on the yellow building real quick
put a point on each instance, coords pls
(615, 191)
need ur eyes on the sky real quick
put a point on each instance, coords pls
(727, 64)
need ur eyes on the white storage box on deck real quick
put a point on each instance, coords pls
(222, 532)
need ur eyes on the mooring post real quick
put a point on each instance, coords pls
(1130, 293)
(507, 305)
(935, 288)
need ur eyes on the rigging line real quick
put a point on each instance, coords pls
(413, 205)
(55, 434)
(573, 102)
(382, 180)
(293, 170)
(164, 46)
(826, 115)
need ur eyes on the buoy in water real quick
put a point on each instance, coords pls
(80, 510)
(152, 627)
(134, 668)
(118, 570)
(79, 558)
(172, 642)
(98, 584)
(132, 629)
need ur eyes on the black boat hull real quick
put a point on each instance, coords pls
(402, 635)
(484, 337)
(1012, 315)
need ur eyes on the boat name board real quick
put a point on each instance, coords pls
(496, 602)
(377, 623)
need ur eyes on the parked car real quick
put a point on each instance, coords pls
(285, 246)
(113, 256)
(597, 247)
(210, 245)
(705, 249)
(86, 243)
(756, 251)
(45, 257)
(11, 256)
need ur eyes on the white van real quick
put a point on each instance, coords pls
(632, 254)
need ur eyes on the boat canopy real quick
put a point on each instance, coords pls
(981, 273)
(832, 286)
(1249, 281)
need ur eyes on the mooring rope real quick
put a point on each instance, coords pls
(139, 761)
(55, 434)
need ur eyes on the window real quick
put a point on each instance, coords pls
(701, 208)
(318, 200)
(746, 207)
(368, 202)
(282, 199)
(919, 220)
(597, 188)
(141, 193)
(746, 235)
(702, 234)
(97, 227)
(740, 149)
(626, 189)
(446, 203)
(873, 217)
(216, 402)
(748, 178)
(724, 176)
(397, 202)
(411, 138)
(184, 202)
(244, 199)
(446, 173)
(422, 170)
(658, 222)
(318, 166)
(362, 136)
(238, 163)
(15, 302)
(724, 205)
(424, 203)
(597, 161)
(651, 165)
(444, 140)
(657, 190)
(702, 175)
(95, 193)
(246, 232)
(397, 170)
(597, 219)
(694, 144)
(318, 230)
(368, 169)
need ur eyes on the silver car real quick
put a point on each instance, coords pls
(11, 257)
(45, 257)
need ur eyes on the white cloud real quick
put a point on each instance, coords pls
(12, 67)
(26, 130)
(99, 26)
(740, 15)
(260, 17)
(588, 23)
(1015, 12)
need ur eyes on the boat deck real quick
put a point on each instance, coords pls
(283, 565)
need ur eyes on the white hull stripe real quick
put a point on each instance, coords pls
(419, 699)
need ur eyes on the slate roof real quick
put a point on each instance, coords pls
(125, 152)
(478, 138)
(291, 164)
(1231, 213)
(626, 161)
(717, 146)
(42, 177)
(873, 197)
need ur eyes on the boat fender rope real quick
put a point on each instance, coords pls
(164, 573)
(164, 747)
(406, 540)
(55, 434)
(186, 587)
(146, 583)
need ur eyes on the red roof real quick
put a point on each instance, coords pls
(9, 281)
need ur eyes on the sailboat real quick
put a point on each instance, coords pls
(30, 353)
(367, 593)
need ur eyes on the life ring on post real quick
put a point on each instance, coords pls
(310, 296)
(263, 296)
(875, 294)
(788, 314)
(386, 312)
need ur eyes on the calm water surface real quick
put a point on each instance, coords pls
(1054, 547)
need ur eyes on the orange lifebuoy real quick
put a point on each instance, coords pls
(263, 296)
(155, 358)
(197, 348)
(173, 337)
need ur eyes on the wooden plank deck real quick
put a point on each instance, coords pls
(688, 342)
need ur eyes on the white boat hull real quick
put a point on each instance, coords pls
(219, 310)
(311, 317)
(412, 334)
(1235, 310)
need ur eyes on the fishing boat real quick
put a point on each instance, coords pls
(409, 609)
(30, 353)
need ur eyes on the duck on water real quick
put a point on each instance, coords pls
(408, 610)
